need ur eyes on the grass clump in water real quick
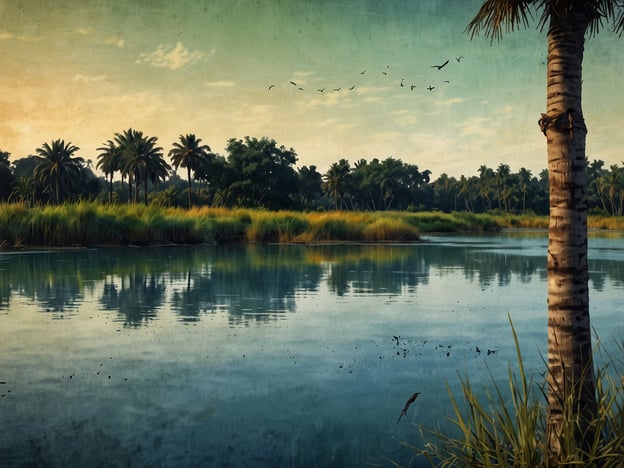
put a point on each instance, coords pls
(390, 229)
(508, 428)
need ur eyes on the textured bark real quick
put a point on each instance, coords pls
(570, 366)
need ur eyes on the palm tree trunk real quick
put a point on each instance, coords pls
(570, 365)
(188, 173)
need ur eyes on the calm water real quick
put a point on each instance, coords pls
(265, 355)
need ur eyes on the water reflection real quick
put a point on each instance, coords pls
(263, 355)
(258, 283)
(136, 297)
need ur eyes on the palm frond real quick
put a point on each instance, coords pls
(618, 24)
(498, 16)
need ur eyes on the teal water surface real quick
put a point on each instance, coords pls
(265, 355)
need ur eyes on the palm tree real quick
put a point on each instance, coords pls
(485, 183)
(24, 190)
(109, 161)
(570, 362)
(188, 153)
(500, 177)
(141, 160)
(58, 169)
(337, 181)
(525, 176)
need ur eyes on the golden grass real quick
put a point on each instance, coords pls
(91, 223)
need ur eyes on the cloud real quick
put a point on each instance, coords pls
(116, 42)
(220, 84)
(80, 78)
(5, 35)
(171, 58)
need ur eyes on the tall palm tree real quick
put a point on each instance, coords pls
(188, 153)
(501, 176)
(570, 363)
(58, 169)
(485, 184)
(141, 160)
(109, 161)
(337, 181)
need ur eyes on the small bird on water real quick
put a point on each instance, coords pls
(410, 400)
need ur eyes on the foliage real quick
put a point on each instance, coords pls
(91, 223)
(57, 168)
(189, 153)
(257, 173)
(261, 174)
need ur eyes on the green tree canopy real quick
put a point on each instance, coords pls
(262, 173)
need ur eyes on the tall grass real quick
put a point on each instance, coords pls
(91, 223)
(501, 428)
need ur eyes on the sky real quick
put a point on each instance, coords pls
(84, 70)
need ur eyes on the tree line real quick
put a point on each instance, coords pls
(259, 173)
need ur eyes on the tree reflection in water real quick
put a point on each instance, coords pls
(256, 283)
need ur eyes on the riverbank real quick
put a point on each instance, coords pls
(90, 223)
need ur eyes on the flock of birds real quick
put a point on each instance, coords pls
(385, 72)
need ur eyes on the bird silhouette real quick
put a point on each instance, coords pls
(293, 83)
(385, 73)
(300, 88)
(410, 400)
(352, 88)
(402, 80)
(430, 88)
(459, 58)
(362, 72)
(321, 90)
(271, 87)
(440, 67)
(412, 87)
(337, 89)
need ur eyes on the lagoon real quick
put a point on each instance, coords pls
(267, 355)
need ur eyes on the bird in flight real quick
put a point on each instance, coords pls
(402, 80)
(271, 87)
(430, 88)
(293, 83)
(337, 89)
(459, 58)
(321, 90)
(410, 400)
(412, 87)
(352, 88)
(362, 72)
(440, 67)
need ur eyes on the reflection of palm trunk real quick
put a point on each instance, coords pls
(570, 364)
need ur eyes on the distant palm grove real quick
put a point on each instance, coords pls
(257, 173)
